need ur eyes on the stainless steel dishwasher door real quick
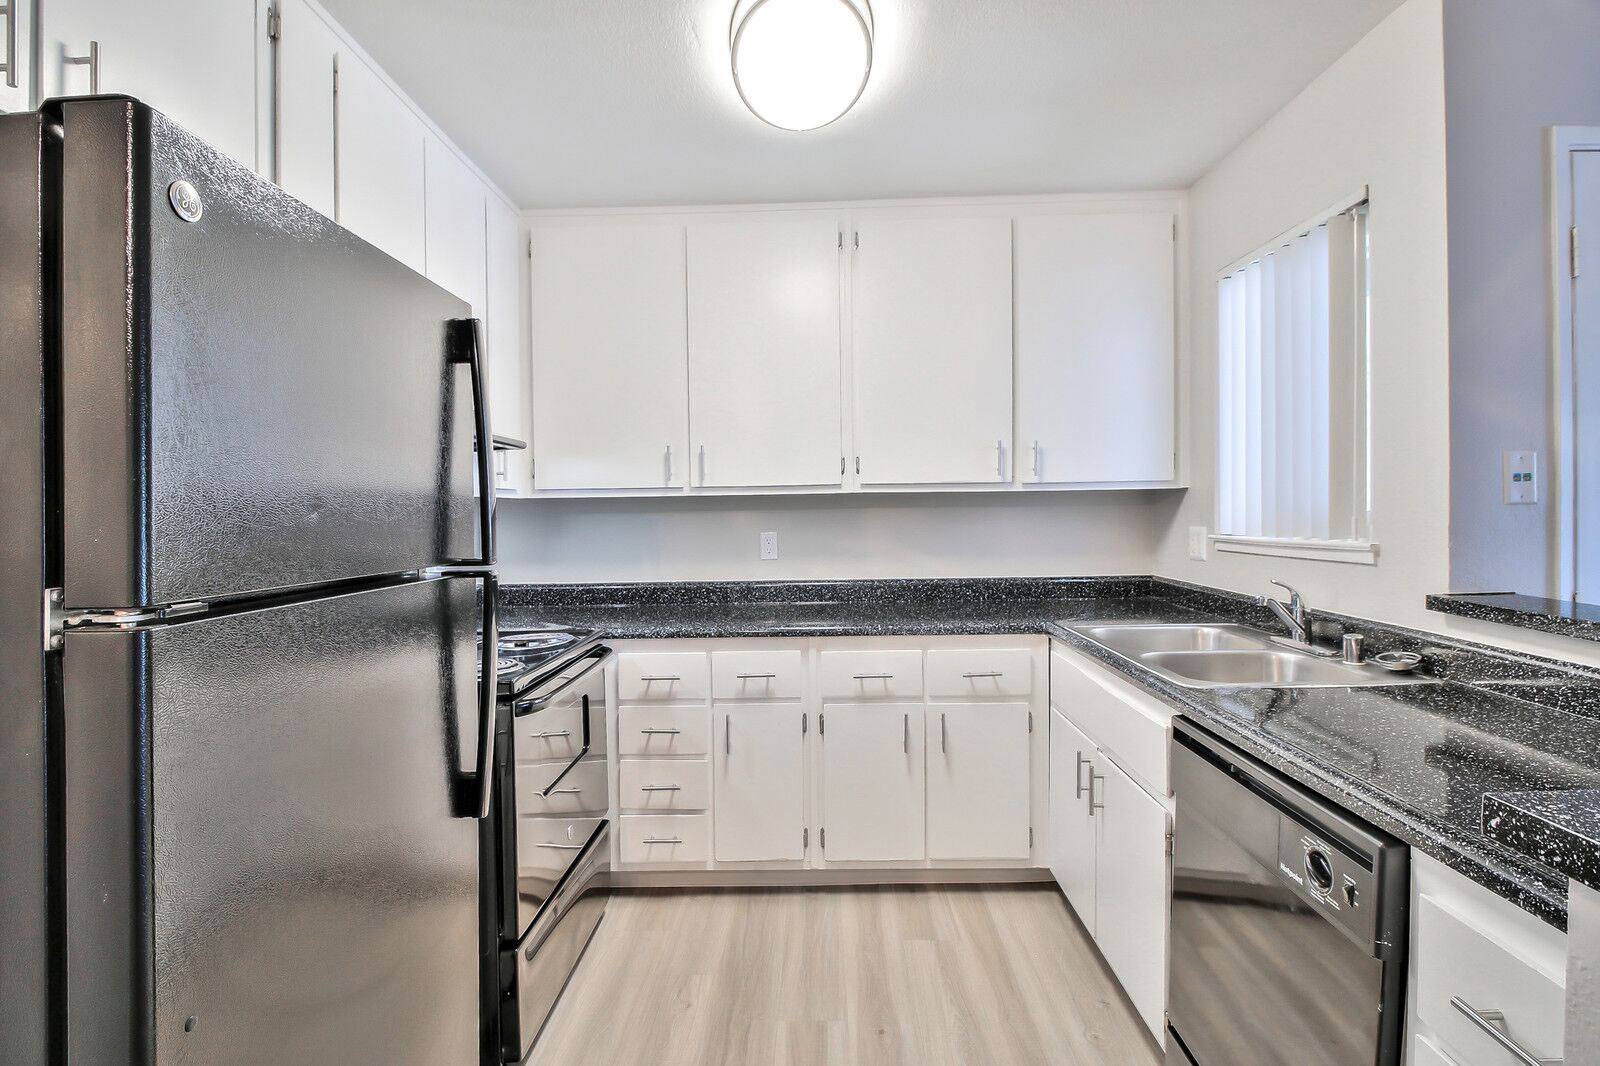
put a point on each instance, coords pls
(1268, 968)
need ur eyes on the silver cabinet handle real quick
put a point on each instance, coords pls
(553, 733)
(944, 738)
(663, 840)
(755, 677)
(8, 12)
(561, 847)
(727, 734)
(660, 788)
(565, 792)
(1077, 777)
(905, 734)
(660, 677)
(1094, 805)
(660, 732)
(1036, 460)
(987, 673)
(1490, 1021)
(92, 61)
(873, 677)
(669, 464)
(1000, 459)
(702, 464)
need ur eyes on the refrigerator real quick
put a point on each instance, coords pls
(248, 555)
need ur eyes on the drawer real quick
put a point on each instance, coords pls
(1455, 959)
(554, 734)
(1132, 728)
(664, 784)
(647, 730)
(869, 675)
(583, 791)
(756, 675)
(974, 673)
(662, 676)
(660, 839)
(548, 845)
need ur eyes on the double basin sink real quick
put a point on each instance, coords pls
(1233, 656)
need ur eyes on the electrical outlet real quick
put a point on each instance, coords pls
(1197, 543)
(1520, 474)
(769, 545)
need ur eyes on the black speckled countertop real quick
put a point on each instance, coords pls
(1416, 761)
(1561, 829)
(1566, 618)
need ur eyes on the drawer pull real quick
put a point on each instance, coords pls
(552, 734)
(660, 677)
(1094, 804)
(985, 673)
(1490, 1021)
(660, 788)
(755, 677)
(660, 732)
(663, 840)
(565, 792)
(874, 677)
(562, 847)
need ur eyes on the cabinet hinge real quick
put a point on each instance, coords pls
(1174, 230)
(530, 247)
(841, 240)
(857, 240)
(805, 839)
(858, 466)
(1030, 837)
(1169, 842)
(823, 833)
(1574, 236)
(1030, 722)
(821, 725)
(274, 24)
(841, 466)
(802, 725)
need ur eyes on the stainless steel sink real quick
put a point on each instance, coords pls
(1233, 656)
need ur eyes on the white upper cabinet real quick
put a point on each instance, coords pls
(308, 57)
(16, 56)
(609, 361)
(456, 246)
(764, 354)
(380, 164)
(931, 335)
(193, 62)
(509, 408)
(1096, 365)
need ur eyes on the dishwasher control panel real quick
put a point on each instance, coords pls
(1342, 888)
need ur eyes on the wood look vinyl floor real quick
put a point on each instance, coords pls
(912, 975)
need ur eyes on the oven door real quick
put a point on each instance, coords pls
(1258, 977)
(535, 970)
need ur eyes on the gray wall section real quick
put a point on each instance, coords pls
(1512, 68)
(24, 967)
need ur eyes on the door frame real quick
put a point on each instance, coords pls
(1562, 142)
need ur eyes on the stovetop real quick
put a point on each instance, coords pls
(529, 654)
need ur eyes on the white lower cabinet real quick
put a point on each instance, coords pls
(1131, 871)
(760, 783)
(873, 806)
(978, 787)
(1072, 827)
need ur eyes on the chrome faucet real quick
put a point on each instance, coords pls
(1294, 615)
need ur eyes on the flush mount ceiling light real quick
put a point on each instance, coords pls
(800, 64)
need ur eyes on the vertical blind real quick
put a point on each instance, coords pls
(1292, 388)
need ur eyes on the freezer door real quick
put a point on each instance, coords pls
(24, 967)
(252, 397)
(266, 861)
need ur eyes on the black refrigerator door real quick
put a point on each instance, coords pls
(269, 847)
(252, 397)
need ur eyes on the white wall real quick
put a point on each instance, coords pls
(895, 535)
(1512, 68)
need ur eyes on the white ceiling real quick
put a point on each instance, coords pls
(627, 102)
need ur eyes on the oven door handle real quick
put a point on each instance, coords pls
(600, 654)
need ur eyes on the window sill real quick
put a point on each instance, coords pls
(1360, 552)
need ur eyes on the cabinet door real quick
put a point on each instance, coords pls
(764, 353)
(1096, 369)
(610, 374)
(759, 761)
(503, 339)
(1072, 828)
(979, 796)
(872, 782)
(195, 63)
(381, 165)
(1131, 890)
(308, 53)
(16, 81)
(455, 235)
(931, 333)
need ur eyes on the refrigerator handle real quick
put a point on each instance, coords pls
(488, 686)
(467, 347)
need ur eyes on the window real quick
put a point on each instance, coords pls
(1293, 394)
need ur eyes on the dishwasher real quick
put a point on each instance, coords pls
(1289, 924)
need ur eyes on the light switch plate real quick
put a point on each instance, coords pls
(1520, 476)
(769, 545)
(1197, 543)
